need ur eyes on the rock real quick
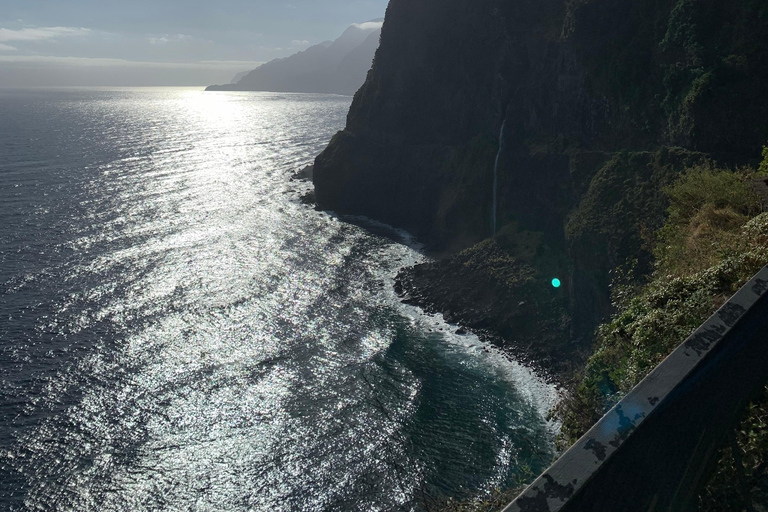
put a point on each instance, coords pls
(304, 174)
(308, 198)
(479, 300)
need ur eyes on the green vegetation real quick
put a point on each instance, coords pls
(708, 208)
(488, 259)
(763, 169)
(515, 259)
(708, 69)
(680, 68)
(741, 477)
(714, 240)
(532, 248)
(622, 205)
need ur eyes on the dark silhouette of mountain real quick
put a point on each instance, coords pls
(338, 66)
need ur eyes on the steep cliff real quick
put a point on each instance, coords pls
(602, 103)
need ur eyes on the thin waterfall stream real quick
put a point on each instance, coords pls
(494, 207)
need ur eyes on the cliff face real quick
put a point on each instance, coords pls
(591, 93)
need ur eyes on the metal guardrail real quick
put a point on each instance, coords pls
(651, 452)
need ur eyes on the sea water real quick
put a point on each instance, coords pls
(178, 331)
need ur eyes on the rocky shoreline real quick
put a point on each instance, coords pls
(501, 305)
(502, 312)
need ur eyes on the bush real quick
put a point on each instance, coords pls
(741, 477)
(708, 206)
(706, 185)
(713, 242)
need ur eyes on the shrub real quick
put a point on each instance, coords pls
(713, 242)
(707, 185)
(742, 470)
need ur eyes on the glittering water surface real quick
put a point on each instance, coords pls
(179, 332)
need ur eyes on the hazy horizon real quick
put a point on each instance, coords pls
(108, 43)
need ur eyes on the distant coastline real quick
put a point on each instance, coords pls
(332, 67)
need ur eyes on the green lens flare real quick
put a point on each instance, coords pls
(556, 283)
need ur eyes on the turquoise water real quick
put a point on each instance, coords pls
(179, 332)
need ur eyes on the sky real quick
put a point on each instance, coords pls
(161, 42)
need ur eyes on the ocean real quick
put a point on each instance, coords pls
(180, 332)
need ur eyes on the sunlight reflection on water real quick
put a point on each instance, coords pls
(184, 334)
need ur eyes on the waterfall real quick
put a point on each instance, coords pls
(494, 208)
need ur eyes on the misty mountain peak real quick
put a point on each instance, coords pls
(338, 66)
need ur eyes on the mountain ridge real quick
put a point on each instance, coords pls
(337, 67)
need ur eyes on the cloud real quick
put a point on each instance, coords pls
(369, 25)
(167, 38)
(41, 33)
(7, 48)
(297, 42)
(223, 63)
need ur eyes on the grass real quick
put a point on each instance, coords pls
(708, 206)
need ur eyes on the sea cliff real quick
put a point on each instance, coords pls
(603, 104)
